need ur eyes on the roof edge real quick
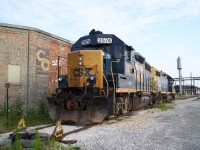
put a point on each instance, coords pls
(35, 29)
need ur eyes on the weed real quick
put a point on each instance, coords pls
(43, 109)
(34, 116)
(18, 145)
(37, 141)
(32, 112)
(3, 107)
(16, 108)
(162, 105)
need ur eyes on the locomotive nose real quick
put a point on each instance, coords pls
(85, 68)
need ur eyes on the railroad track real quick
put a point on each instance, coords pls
(114, 118)
(71, 132)
(43, 127)
(67, 133)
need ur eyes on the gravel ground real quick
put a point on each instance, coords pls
(175, 129)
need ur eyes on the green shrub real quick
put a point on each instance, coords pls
(3, 107)
(43, 109)
(16, 108)
(34, 116)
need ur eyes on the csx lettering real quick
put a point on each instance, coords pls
(79, 72)
(87, 71)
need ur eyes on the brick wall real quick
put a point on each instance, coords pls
(13, 50)
(36, 52)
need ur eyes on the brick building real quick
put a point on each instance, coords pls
(28, 61)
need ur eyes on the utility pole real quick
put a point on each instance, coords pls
(191, 82)
(183, 87)
(179, 67)
(194, 88)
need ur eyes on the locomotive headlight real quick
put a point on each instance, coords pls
(92, 77)
(80, 61)
(91, 81)
(59, 79)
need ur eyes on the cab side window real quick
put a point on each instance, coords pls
(128, 56)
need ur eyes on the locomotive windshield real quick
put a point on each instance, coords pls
(104, 48)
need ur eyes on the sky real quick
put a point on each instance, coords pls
(160, 30)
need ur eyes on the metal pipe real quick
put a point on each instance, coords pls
(180, 82)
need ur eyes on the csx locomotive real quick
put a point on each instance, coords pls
(106, 77)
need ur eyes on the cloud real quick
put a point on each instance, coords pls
(120, 17)
(131, 20)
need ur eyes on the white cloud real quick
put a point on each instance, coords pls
(118, 17)
(130, 20)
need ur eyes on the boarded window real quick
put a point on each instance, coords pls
(14, 74)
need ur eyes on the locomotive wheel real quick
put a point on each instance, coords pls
(152, 100)
(126, 105)
(123, 105)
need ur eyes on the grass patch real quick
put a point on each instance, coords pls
(162, 105)
(51, 144)
(33, 118)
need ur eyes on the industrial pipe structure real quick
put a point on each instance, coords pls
(179, 67)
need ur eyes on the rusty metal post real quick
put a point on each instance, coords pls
(7, 85)
(7, 105)
(58, 68)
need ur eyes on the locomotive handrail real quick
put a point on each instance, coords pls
(107, 91)
(111, 70)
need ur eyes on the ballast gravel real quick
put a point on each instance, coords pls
(151, 129)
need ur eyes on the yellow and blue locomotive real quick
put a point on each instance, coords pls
(106, 77)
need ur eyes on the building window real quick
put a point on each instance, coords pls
(14, 74)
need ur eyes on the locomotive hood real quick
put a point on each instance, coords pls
(97, 39)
